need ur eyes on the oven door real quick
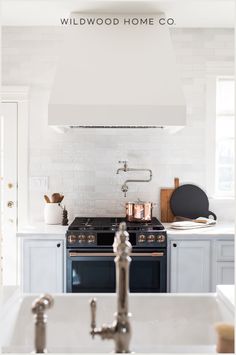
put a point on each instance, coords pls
(148, 272)
(95, 272)
(90, 272)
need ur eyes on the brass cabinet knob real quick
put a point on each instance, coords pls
(10, 204)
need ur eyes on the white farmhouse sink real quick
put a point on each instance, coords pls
(160, 323)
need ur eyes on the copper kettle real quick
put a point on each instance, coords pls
(139, 211)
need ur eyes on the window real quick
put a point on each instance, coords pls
(224, 156)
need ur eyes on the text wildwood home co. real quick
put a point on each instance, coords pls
(114, 21)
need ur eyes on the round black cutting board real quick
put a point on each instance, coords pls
(191, 202)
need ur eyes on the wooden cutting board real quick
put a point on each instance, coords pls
(165, 195)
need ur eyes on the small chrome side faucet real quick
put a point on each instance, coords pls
(39, 306)
(120, 330)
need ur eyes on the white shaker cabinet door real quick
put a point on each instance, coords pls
(225, 273)
(223, 263)
(42, 266)
(190, 266)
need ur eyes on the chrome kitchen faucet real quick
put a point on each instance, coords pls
(120, 330)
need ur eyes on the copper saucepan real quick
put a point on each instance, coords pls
(139, 211)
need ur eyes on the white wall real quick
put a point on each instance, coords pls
(82, 163)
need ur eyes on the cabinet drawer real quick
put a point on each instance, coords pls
(225, 251)
(225, 273)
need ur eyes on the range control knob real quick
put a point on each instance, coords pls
(91, 239)
(82, 238)
(161, 238)
(151, 238)
(141, 238)
(72, 239)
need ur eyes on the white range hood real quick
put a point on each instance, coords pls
(117, 76)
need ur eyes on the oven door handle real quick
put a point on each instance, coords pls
(152, 254)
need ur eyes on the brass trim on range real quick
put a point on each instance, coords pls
(153, 254)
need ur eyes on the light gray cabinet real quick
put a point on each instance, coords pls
(224, 273)
(199, 265)
(42, 265)
(189, 266)
(223, 263)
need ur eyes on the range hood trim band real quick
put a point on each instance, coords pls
(116, 115)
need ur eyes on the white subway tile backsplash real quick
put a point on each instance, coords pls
(82, 164)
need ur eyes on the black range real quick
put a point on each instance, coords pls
(90, 257)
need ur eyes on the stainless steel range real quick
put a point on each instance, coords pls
(90, 257)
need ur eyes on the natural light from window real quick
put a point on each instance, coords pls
(224, 173)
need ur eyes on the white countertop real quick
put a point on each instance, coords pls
(222, 229)
(42, 229)
(6, 292)
(227, 294)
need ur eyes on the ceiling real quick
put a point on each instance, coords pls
(187, 13)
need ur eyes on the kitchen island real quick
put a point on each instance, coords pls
(161, 323)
